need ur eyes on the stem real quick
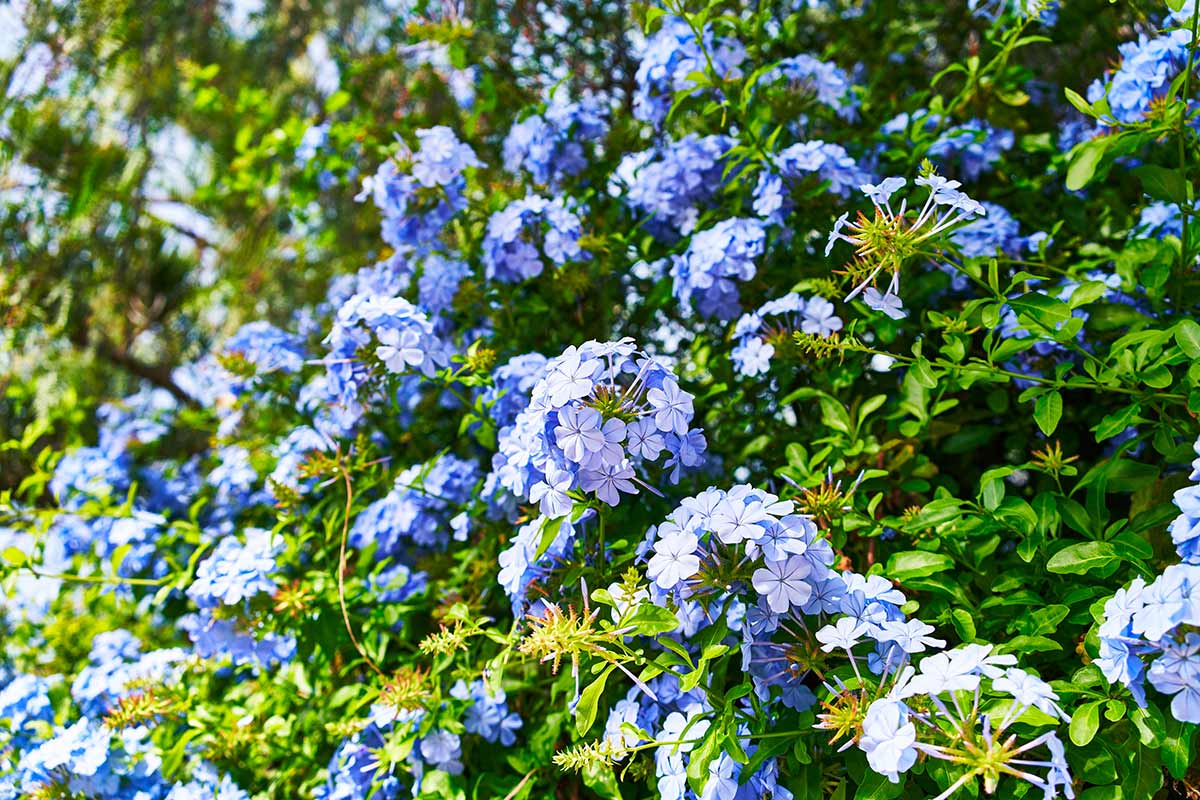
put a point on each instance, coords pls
(105, 579)
(341, 575)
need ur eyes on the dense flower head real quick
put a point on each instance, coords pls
(827, 162)
(354, 770)
(140, 418)
(419, 192)
(1148, 65)
(825, 80)
(672, 184)
(526, 561)
(671, 55)
(709, 534)
(995, 231)
(387, 278)
(1185, 529)
(975, 146)
(550, 146)
(488, 714)
(115, 667)
(966, 734)
(390, 331)
(418, 508)
(90, 473)
(512, 383)
(266, 348)
(717, 258)
(527, 233)
(1152, 630)
(237, 641)
(24, 703)
(439, 282)
(237, 570)
(599, 415)
(758, 332)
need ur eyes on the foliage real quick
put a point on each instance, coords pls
(788, 401)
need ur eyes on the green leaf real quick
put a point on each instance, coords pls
(922, 374)
(964, 624)
(1046, 311)
(1047, 411)
(1145, 777)
(1085, 721)
(652, 620)
(599, 777)
(1084, 160)
(589, 698)
(1078, 559)
(1162, 183)
(1082, 105)
(1118, 421)
(1177, 748)
(15, 556)
(1187, 336)
(917, 564)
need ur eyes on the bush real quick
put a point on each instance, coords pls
(739, 401)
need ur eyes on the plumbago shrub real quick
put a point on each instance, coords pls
(805, 408)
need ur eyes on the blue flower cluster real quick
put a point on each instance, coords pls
(826, 81)
(266, 348)
(671, 185)
(525, 233)
(830, 163)
(757, 332)
(84, 756)
(975, 146)
(598, 415)
(672, 54)
(718, 258)
(994, 232)
(399, 336)
(116, 665)
(418, 193)
(676, 719)
(1159, 623)
(522, 565)
(355, 771)
(512, 384)
(550, 146)
(226, 583)
(1147, 68)
(419, 508)
(744, 556)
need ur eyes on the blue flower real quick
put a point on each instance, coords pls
(826, 80)
(418, 203)
(267, 348)
(716, 260)
(671, 55)
(90, 473)
(442, 750)
(670, 186)
(525, 233)
(549, 145)
(888, 738)
(235, 571)
(976, 145)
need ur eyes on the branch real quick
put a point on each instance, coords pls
(157, 374)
